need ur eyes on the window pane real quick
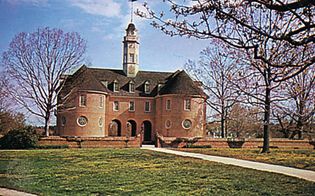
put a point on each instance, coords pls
(147, 106)
(82, 100)
(168, 104)
(131, 106)
(101, 101)
(116, 106)
(187, 103)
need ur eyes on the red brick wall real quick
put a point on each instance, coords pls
(92, 111)
(157, 116)
(90, 142)
(225, 143)
(177, 115)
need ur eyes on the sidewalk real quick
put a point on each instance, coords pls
(9, 192)
(299, 173)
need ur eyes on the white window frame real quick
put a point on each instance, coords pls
(80, 100)
(101, 101)
(166, 104)
(186, 101)
(114, 108)
(147, 87)
(131, 90)
(116, 85)
(134, 106)
(145, 104)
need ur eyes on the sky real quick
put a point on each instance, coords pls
(102, 24)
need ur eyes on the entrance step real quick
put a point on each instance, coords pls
(148, 146)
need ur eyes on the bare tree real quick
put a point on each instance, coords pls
(216, 67)
(34, 62)
(261, 28)
(242, 24)
(300, 106)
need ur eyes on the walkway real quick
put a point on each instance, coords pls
(299, 173)
(10, 192)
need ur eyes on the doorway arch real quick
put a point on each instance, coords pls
(132, 127)
(147, 132)
(115, 128)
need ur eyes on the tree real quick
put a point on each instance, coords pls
(300, 105)
(261, 28)
(242, 24)
(216, 67)
(34, 62)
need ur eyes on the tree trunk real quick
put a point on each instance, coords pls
(47, 119)
(267, 113)
(222, 123)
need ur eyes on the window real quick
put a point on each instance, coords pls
(101, 101)
(100, 122)
(168, 104)
(186, 124)
(147, 87)
(116, 106)
(168, 124)
(131, 58)
(131, 106)
(159, 87)
(116, 86)
(131, 87)
(187, 104)
(82, 100)
(147, 106)
(82, 121)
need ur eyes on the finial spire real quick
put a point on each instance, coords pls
(131, 11)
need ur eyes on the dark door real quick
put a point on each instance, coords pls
(147, 127)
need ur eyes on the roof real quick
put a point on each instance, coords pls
(95, 78)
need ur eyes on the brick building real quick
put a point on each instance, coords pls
(107, 102)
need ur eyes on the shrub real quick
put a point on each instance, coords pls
(22, 138)
(52, 146)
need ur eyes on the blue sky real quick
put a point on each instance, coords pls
(102, 23)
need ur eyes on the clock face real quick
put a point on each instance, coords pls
(131, 69)
(132, 46)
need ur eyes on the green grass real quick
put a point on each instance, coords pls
(135, 172)
(298, 158)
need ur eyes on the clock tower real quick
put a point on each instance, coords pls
(131, 51)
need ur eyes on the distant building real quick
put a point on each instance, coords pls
(105, 102)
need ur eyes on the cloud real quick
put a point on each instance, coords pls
(107, 8)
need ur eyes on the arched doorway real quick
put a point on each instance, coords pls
(132, 128)
(147, 132)
(114, 128)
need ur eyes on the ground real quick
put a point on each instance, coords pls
(135, 171)
(298, 158)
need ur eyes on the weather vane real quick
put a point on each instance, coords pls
(131, 12)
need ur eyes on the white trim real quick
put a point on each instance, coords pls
(80, 100)
(147, 101)
(85, 123)
(190, 124)
(101, 101)
(185, 103)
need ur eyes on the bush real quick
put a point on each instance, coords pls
(52, 146)
(22, 138)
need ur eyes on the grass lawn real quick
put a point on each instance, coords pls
(135, 172)
(298, 158)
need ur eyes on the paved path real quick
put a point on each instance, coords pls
(299, 173)
(9, 192)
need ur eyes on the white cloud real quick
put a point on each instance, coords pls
(107, 8)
